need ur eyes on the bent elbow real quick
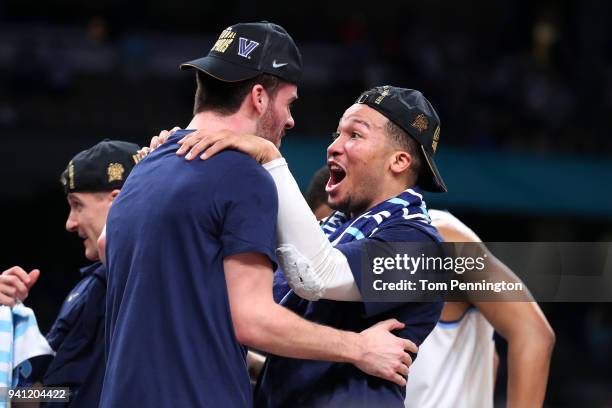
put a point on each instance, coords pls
(545, 335)
(543, 340)
(248, 331)
(549, 338)
(244, 334)
(535, 337)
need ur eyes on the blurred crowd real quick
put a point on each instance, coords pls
(535, 78)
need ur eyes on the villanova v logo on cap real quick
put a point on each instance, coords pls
(246, 47)
(246, 50)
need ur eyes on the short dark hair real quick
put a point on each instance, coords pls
(316, 195)
(225, 98)
(406, 142)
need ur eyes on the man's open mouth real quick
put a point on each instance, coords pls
(336, 175)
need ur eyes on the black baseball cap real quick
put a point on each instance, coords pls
(246, 50)
(103, 167)
(412, 112)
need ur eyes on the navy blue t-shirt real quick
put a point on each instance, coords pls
(287, 382)
(77, 337)
(170, 339)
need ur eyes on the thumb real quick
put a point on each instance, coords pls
(33, 275)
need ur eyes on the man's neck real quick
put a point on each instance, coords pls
(212, 122)
(393, 191)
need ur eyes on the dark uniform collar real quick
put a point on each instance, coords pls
(96, 268)
(88, 270)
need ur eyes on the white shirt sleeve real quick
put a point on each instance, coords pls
(313, 267)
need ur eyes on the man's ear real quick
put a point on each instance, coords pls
(259, 99)
(114, 193)
(400, 161)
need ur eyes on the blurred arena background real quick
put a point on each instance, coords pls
(523, 89)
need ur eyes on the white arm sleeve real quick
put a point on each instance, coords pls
(313, 267)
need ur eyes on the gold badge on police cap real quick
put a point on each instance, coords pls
(115, 172)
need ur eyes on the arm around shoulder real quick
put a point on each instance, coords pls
(262, 324)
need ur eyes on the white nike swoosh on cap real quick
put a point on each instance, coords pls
(276, 65)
